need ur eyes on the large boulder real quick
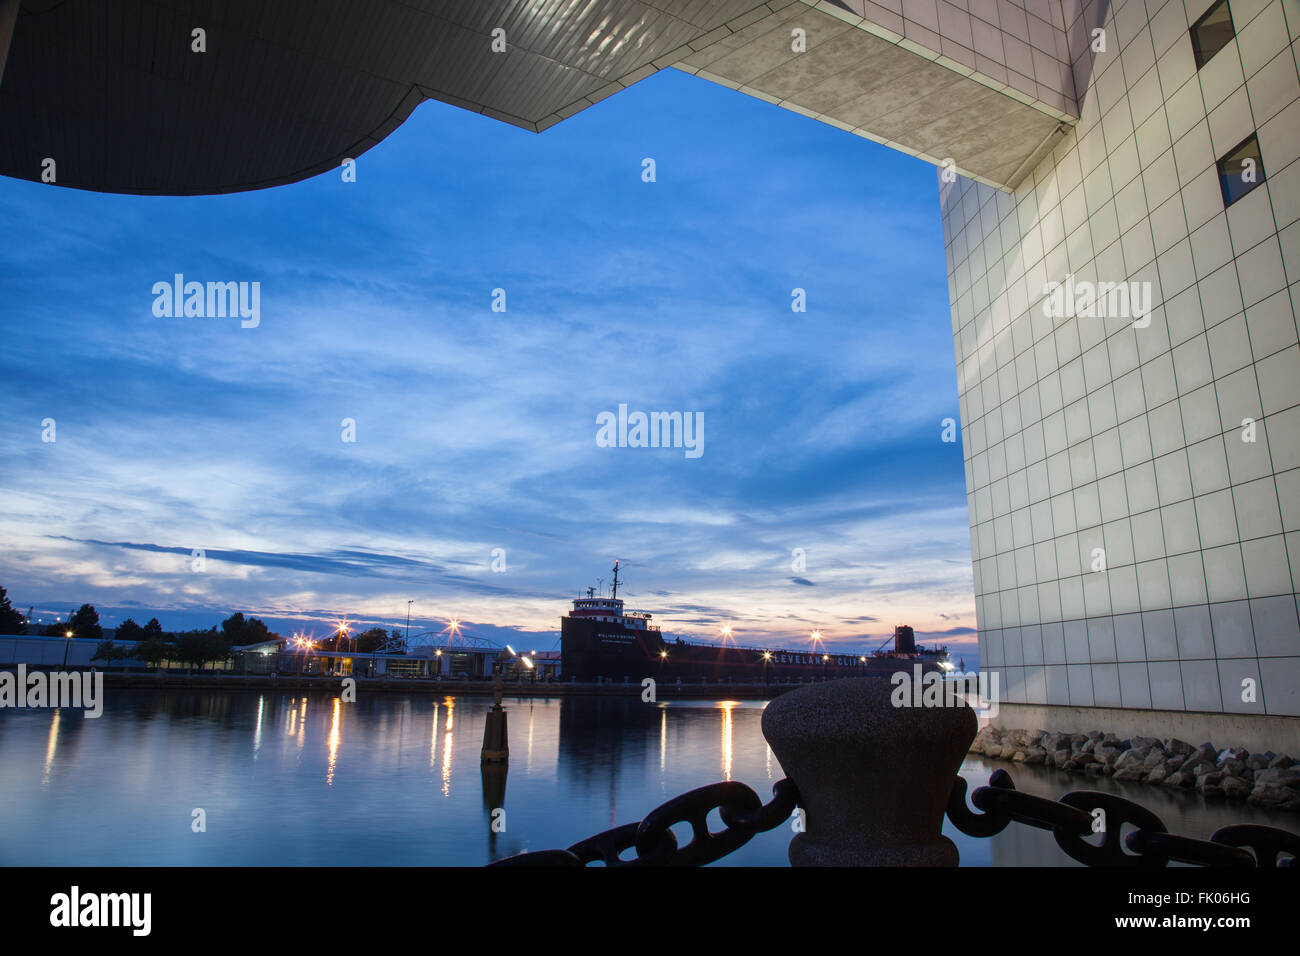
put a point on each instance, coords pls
(1130, 759)
(1232, 766)
(1036, 755)
(1271, 795)
(1054, 742)
(1258, 761)
(1155, 758)
(1175, 746)
(987, 735)
(1022, 739)
(1197, 761)
(1280, 762)
(1210, 783)
(1283, 777)
(1156, 775)
(1107, 754)
(1235, 789)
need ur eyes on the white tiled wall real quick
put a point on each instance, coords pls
(1089, 433)
(1018, 43)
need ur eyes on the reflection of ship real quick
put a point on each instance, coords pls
(600, 639)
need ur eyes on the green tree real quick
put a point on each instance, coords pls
(153, 649)
(128, 630)
(240, 631)
(109, 652)
(201, 647)
(11, 621)
(85, 623)
(153, 629)
(369, 641)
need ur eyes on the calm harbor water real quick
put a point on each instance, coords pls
(395, 780)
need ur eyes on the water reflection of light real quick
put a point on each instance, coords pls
(433, 739)
(726, 706)
(528, 765)
(447, 747)
(51, 746)
(663, 737)
(257, 732)
(334, 744)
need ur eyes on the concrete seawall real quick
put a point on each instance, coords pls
(1252, 731)
(318, 684)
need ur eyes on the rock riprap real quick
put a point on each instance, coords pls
(1265, 779)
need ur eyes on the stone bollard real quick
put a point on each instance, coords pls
(873, 778)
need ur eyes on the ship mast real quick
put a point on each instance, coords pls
(614, 593)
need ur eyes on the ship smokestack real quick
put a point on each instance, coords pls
(904, 640)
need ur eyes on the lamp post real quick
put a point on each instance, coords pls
(66, 644)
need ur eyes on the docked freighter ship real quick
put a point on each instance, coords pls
(600, 639)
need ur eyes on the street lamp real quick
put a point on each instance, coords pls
(66, 644)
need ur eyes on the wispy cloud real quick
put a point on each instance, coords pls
(475, 430)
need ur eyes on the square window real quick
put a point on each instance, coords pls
(1211, 33)
(1241, 170)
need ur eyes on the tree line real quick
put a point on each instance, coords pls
(152, 644)
(148, 643)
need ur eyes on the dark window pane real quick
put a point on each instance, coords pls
(1241, 170)
(1211, 33)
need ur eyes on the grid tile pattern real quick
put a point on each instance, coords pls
(1019, 44)
(1172, 451)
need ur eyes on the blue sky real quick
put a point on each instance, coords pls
(476, 430)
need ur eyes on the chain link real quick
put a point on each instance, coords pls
(743, 815)
(1070, 820)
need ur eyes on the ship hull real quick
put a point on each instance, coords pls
(604, 650)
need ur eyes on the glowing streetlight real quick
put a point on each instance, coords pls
(452, 629)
